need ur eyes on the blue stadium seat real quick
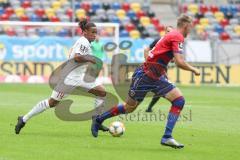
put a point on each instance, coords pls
(218, 28)
(124, 33)
(131, 14)
(96, 6)
(116, 6)
(34, 18)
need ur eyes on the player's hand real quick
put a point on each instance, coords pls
(196, 72)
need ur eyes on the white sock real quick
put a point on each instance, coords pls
(99, 105)
(39, 108)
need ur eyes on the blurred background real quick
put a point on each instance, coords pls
(35, 37)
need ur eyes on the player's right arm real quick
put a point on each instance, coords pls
(181, 63)
(84, 58)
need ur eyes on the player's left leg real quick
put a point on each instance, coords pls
(100, 93)
(176, 98)
(152, 103)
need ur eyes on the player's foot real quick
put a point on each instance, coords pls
(20, 124)
(149, 110)
(95, 126)
(103, 128)
(170, 142)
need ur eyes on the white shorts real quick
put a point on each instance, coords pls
(74, 82)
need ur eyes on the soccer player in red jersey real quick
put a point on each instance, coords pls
(151, 77)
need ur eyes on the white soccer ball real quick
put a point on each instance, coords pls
(116, 129)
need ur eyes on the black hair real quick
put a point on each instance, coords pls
(85, 25)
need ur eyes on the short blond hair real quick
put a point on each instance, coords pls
(183, 19)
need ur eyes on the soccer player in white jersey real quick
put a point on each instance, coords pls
(81, 53)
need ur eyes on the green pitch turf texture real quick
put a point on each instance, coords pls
(210, 129)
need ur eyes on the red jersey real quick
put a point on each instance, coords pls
(162, 53)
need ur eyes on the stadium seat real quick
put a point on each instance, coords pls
(9, 11)
(80, 13)
(234, 36)
(19, 12)
(10, 32)
(199, 15)
(155, 21)
(233, 9)
(31, 32)
(116, 5)
(213, 8)
(237, 29)
(224, 9)
(129, 27)
(104, 18)
(24, 18)
(44, 4)
(131, 14)
(183, 8)
(56, 5)
(45, 18)
(145, 34)
(86, 6)
(125, 6)
(114, 19)
(111, 12)
(4, 17)
(69, 12)
(26, 4)
(213, 35)
(20, 32)
(96, 6)
(150, 14)
(134, 34)
(209, 28)
(203, 8)
(135, 6)
(49, 12)
(208, 15)
(15, 4)
(224, 22)
(14, 17)
(224, 36)
(54, 19)
(234, 21)
(140, 27)
(199, 28)
(229, 28)
(160, 28)
(77, 5)
(204, 22)
(126, 20)
(140, 14)
(195, 21)
(124, 33)
(229, 15)
(1, 10)
(63, 33)
(106, 5)
(120, 13)
(218, 28)
(193, 8)
(95, 18)
(39, 12)
(100, 12)
(59, 13)
(64, 18)
(145, 7)
(34, 18)
(145, 20)
(219, 16)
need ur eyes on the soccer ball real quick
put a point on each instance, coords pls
(116, 129)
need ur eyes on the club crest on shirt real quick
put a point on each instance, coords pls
(132, 93)
(180, 46)
(83, 48)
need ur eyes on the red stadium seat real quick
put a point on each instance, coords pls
(203, 8)
(126, 6)
(39, 12)
(155, 21)
(129, 27)
(86, 6)
(183, 8)
(69, 12)
(160, 28)
(140, 14)
(214, 8)
(54, 19)
(224, 36)
(24, 18)
(4, 17)
(10, 32)
(9, 11)
(224, 22)
(26, 4)
(195, 21)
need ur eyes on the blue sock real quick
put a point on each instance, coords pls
(119, 109)
(172, 119)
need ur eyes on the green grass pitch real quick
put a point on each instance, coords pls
(210, 128)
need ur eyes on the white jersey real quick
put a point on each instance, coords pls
(81, 47)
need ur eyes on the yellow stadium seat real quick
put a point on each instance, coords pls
(145, 21)
(50, 12)
(204, 22)
(19, 12)
(193, 8)
(56, 5)
(219, 16)
(62, 1)
(80, 13)
(199, 29)
(134, 34)
(121, 13)
(135, 6)
(237, 29)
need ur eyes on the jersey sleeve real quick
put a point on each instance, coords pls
(177, 44)
(153, 43)
(81, 48)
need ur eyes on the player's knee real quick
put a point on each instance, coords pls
(130, 109)
(180, 101)
(102, 93)
(52, 102)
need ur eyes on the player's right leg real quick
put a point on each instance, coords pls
(39, 108)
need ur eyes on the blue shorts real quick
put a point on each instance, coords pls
(142, 84)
